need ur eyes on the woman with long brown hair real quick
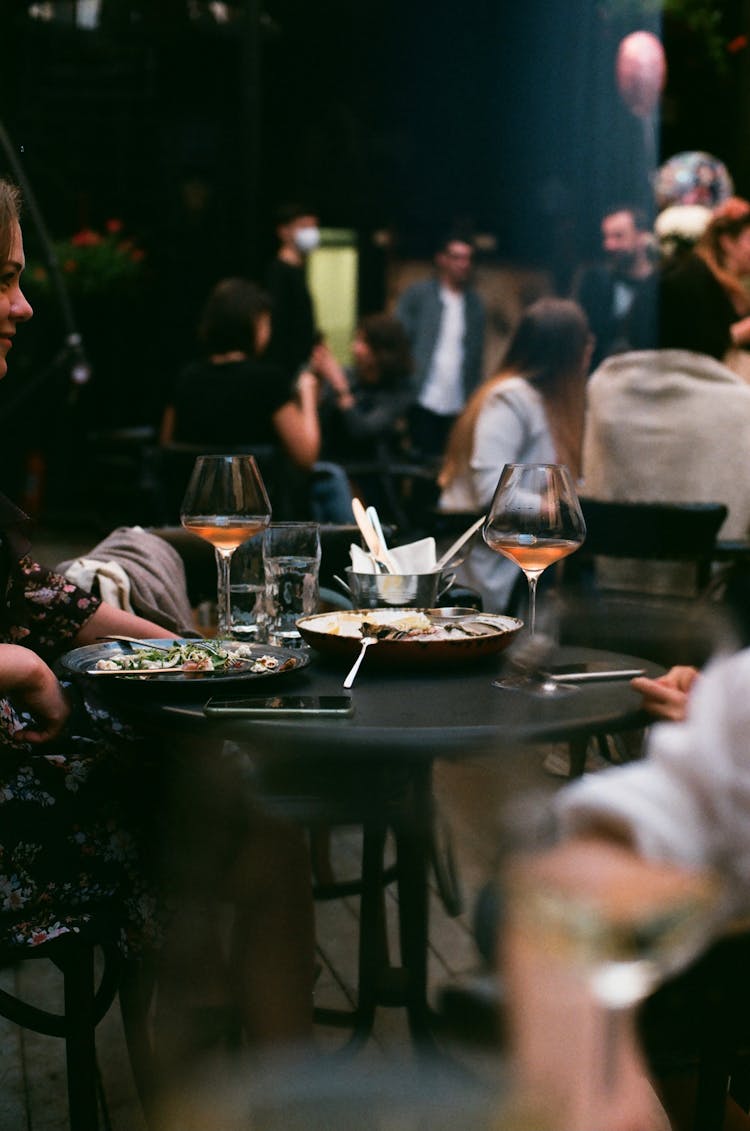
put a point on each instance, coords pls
(531, 411)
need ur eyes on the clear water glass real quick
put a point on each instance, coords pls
(291, 564)
(247, 617)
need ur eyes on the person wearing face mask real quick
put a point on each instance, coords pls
(293, 314)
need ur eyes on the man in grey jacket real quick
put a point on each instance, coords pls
(444, 318)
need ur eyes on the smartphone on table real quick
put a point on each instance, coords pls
(593, 671)
(283, 706)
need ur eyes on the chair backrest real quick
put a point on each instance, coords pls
(200, 562)
(663, 532)
(652, 531)
(664, 624)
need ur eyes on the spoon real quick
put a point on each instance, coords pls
(367, 531)
(446, 557)
(366, 642)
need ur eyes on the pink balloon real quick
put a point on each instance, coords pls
(641, 70)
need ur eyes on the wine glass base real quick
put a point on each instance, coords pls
(544, 688)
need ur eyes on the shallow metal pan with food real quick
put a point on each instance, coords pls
(444, 640)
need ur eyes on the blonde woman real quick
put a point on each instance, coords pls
(530, 412)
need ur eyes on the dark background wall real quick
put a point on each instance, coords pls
(407, 116)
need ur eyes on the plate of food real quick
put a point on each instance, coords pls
(409, 636)
(168, 667)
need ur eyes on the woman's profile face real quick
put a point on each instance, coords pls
(737, 252)
(13, 305)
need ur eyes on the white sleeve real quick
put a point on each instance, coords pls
(689, 801)
(499, 436)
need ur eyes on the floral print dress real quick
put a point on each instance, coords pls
(70, 841)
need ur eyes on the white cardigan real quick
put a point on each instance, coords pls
(511, 428)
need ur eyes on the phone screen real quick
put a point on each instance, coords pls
(271, 705)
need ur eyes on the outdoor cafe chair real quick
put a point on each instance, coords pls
(88, 992)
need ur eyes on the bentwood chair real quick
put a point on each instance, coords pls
(86, 999)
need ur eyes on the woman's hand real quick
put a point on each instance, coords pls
(33, 687)
(327, 368)
(667, 696)
(740, 332)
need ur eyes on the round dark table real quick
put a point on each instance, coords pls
(375, 769)
(425, 712)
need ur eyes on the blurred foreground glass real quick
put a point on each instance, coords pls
(226, 503)
(595, 932)
(291, 563)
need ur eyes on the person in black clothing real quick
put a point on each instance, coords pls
(367, 404)
(702, 294)
(364, 411)
(233, 396)
(294, 331)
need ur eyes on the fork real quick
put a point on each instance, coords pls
(366, 642)
(118, 638)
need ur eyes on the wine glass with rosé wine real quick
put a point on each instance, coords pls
(226, 503)
(534, 519)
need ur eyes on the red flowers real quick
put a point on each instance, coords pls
(96, 260)
(87, 237)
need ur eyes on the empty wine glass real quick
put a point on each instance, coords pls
(226, 503)
(534, 519)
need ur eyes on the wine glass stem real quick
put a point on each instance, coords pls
(532, 579)
(224, 597)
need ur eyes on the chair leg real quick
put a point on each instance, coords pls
(577, 748)
(136, 994)
(80, 1045)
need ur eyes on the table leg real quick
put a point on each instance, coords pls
(413, 853)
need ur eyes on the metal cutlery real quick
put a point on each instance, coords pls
(366, 642)
(164, 645)
(371, 539)
(119, 639)
(445, 558)
(386, 555)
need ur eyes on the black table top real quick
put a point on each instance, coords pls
(422, 712)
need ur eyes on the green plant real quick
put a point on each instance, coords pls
(92, 261)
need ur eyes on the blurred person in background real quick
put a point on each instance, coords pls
(704, 293)
(233, 396)
(364, 411)
(444, 319)
(294, 330)
(607, 290)
(531, 411)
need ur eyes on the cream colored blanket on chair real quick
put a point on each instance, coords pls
(138, 571)
(669, 426)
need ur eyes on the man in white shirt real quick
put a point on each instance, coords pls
(444, 318)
